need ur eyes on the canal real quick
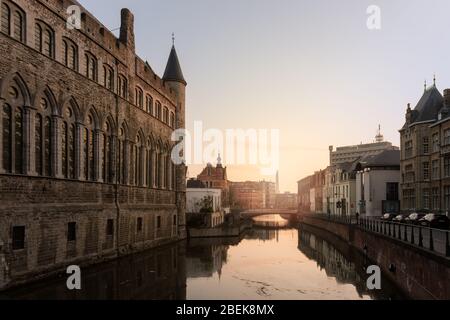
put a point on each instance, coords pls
(272, 261)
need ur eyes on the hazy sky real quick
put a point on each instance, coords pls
(309, 68)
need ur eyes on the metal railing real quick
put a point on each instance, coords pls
(434, 240)
(335, 217)
(430, 239)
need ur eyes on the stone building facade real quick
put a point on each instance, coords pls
(425, 154)
(85, 140)
(216, 177)
(248, 195)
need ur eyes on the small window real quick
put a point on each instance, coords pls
(174, 220)
(149, 103)
(158, 222)
(139, 224)
(72, 231)
(18, 238)
(110, 227)
(172, 120)
(139, 98)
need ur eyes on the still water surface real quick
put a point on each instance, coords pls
(266, 263)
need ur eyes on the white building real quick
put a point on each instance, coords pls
(355, 152)
(339, 190)
(205, 200)
(377, 184)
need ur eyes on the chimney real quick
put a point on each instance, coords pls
(447, 98)
(127, 28)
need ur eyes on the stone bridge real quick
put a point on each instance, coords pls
(262, 212)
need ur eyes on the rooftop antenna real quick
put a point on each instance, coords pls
(379, 137)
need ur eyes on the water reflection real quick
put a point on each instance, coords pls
(155, 274)
(275, 221)
(264, 264)
(342, 262)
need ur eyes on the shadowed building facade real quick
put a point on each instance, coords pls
(85, 141)
(425, 154)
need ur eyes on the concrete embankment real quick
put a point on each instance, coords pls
(418, 272)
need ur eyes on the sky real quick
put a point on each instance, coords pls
(311, 69)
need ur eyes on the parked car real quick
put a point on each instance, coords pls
(401, 218)
(414, 218)
(388, 216)
(437, 221)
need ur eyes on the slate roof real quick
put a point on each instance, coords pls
(173, 69)
(428, 107)
(383, 159)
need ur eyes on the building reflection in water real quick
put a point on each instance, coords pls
(156, 274)
(345, 264)
(205, 258)
(265, 263)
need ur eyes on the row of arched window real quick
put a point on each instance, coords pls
(13, 23)
(156, 110)
(37, 141)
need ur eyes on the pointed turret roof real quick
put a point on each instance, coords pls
(428, 107)
(173, 70)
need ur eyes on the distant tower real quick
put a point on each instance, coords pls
(219, 161)
(379, 137)
(277, 183)
(331, 148)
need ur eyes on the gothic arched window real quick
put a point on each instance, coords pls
(123, 87)
(137, 161)
(13, 21)
(149, 165)
(158, 110)
(149, 104)
(42, 138)
(7, 137)
(70, 54)
(108, 77)
(122, 155)
(90, 64)
(68, 132)
(172, 119)
(12, 129)
(44, 39)
(88, 149)
(139, 98)
(166, 115)
(107, 153)
(6, 19)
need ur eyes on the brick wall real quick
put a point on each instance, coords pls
(46, 205)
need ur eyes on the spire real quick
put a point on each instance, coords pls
(425, 86)
(173, 70)
(219, 161)
(434, 80)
